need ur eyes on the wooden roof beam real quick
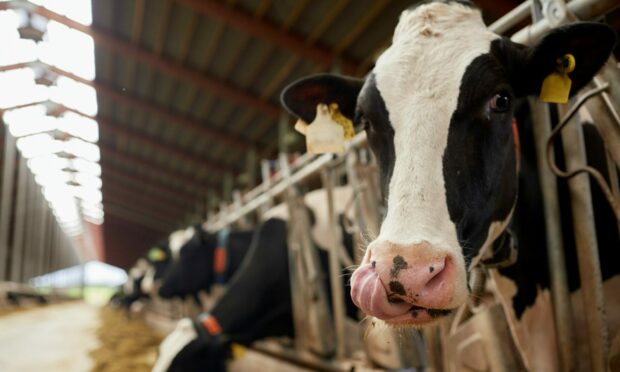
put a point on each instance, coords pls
(190, 182)
(152, 108)
(144, 138)
(145, 201)
(167, 65)
(138, 218)
(268, 31)
(130, 204)
(129, 179)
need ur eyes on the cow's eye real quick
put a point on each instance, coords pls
(500, 103)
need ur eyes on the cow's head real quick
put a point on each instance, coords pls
(437, 110)
(192, 270)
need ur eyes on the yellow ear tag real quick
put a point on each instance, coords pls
(238, 350)
(324, 134)
(556, 86)
(156, 254)
(347, 125)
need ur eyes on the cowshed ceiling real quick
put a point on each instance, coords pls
(188, 88)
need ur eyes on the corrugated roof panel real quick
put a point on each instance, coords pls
(343, 25)
(226, 53)
(179, 20)
(183, 93)
(163, 86)
(206, 32)
(152, 22)
(143, 80)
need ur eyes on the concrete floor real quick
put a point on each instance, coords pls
(51, 338)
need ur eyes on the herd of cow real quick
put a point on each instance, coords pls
(457, 171)
(253, 264)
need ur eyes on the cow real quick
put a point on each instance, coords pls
(437, 110)
(257, 302)
(204, 260)
(150, 267)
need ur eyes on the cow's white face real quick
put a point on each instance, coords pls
(437, 109)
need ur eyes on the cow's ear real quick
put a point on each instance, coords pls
(590, 43)
(301, 97)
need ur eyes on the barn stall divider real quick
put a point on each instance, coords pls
(481, 334)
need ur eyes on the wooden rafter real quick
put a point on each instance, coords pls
(144, 200)
(110, 126)
(130, 204)
(122, 212)
(131, 180)
(268, 31)
(147, 193)
(190, 182)
(152, 108)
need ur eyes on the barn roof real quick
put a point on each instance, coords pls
(188, 91)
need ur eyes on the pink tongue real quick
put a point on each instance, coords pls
(368, 294)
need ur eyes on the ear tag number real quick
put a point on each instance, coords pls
(324, 134)
(556, 86)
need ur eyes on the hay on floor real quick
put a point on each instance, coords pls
(126, 344)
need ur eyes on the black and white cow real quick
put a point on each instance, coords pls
(257, 302)
(204, 260)
(149, 268)
(437, 109)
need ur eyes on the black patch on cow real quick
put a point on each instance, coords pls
(399, 263)
(431, 269)
(397, 287)
(479, 163)
(373, 116)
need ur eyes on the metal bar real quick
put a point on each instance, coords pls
(512, 18)
(338, 305)
(587, 246)
(582, 9)
(314, 165)
(562, 308)
(6, 197)
(20, 220)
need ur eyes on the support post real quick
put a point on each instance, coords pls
(6, 198)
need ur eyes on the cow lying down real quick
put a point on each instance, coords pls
(257, 301)
(438, 111)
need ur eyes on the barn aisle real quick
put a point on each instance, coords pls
(51, 338)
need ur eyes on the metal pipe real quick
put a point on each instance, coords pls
(338, 305)
(587, 246)
(512, 18)
(319, 162)
(562, 308)
(6, 197)
(582, 9)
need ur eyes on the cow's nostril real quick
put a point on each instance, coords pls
(438, 274)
